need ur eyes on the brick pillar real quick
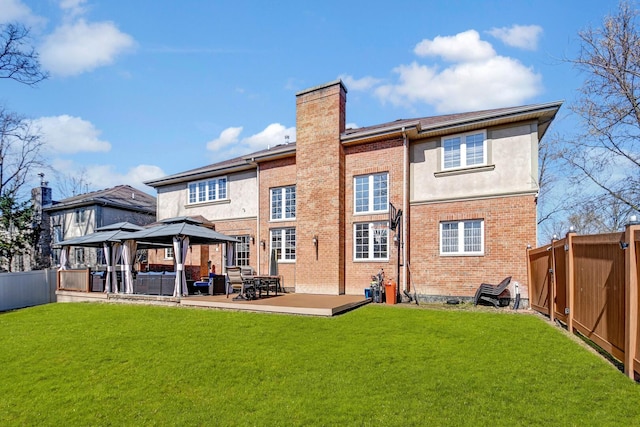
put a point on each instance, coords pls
(320, 189)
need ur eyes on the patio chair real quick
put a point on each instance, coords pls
(494, 294)
(244, 285)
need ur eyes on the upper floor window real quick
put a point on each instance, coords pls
(462, 237)
(57, 234)
(207, 191)
(80, 216)
(283, 203)
(371, 193)
(283, 241)
(168, 253)
(464, 150)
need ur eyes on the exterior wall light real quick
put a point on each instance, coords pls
(253, 239)
(263, 244)
(315, 241)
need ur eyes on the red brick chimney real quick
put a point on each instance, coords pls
(320, 189)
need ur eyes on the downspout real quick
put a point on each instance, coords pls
(405, 206)
(256, 241)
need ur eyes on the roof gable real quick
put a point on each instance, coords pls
(120, 196)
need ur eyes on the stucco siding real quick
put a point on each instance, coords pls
(509, 170)
(241, 203)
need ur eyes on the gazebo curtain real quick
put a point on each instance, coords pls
(128, 257)
(180, 248)
(231, 254)
(107, 256)
(116, 253)
(64, 258)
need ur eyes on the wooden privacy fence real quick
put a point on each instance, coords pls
(590, 283)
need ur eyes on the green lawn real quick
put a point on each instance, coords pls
(109, 364)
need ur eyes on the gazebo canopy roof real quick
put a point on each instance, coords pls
(108, 233)
(165, 230)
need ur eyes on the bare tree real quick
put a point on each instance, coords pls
(20, 147)
(20, 152)
(69, 185)
(18, 60)
(605, 156)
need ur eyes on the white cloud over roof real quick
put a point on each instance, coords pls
(230, 142)
(463, 47)
(68, 134)
(465, 73)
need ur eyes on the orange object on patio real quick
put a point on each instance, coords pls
(390, 292)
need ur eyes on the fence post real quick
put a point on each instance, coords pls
(552, 281)
(631, 299)
(568, 248)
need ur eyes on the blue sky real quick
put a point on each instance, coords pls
(140, 89)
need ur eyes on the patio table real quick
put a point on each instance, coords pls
(266, 283)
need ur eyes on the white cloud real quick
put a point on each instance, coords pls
(227, 137)
(104, 176)
(67, 134)
(365, 83)
(477, 79)
(521, 36)
(73, 8)
(16, 10)
(465, 47)
(274, 134)
(75, 48)
(230, 142)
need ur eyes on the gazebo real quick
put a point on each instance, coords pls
(120, 242)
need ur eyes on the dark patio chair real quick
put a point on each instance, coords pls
(493, 294)
(244, 285)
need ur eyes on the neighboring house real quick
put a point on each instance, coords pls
(80, 215)
(466, 184)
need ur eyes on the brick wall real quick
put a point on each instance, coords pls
(509, 225)
(365, 159)
(275, 173)
(320, 119)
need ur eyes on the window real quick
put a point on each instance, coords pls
(464, 150)
(283, 203)
(283, 241)
(55, 256)
(207, 191)
(79, 255)
(242, 251)
(168, 253)
(371, 193)
(462, 237)
(371, 241)
(80, 216)
(57, 234)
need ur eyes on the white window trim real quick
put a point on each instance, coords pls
(244, 239)
(206, 190)
(284, 202)
(370, 243)
(166, 253)
(463, 151)
(282, 259)
(460, 251)
(371, 194)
